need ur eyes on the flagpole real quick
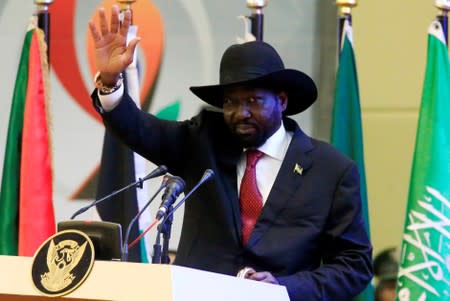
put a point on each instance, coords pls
(428, 195)
(346, 131)
(43, 17)
(345, 13)
(257, 17)
(444, 8)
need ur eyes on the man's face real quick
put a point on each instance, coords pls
(253, 114)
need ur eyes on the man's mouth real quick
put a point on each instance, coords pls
(245, 129)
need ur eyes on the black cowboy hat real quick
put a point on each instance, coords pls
(258, 64)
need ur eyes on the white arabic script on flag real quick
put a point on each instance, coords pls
(428, 235)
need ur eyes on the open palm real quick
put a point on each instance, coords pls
(112, 56)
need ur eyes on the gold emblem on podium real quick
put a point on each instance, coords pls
(62, 263)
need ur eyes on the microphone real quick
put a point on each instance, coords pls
(159, 171)
(136, 217)
(208, 174)
(175, 186)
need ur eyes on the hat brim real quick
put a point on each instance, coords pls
(299, 87)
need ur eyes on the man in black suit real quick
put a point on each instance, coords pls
(283, 206)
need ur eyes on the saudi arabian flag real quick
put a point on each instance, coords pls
(424, 272)
(346, 129)
(26, 202)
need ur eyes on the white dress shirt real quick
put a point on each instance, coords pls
(268, 166)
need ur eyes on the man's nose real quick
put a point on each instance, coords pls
(243, 110)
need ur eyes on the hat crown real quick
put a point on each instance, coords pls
(258, 64)
(251, 60)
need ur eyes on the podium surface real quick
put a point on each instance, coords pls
(138, 281)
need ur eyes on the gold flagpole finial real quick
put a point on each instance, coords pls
(42, 4)
(345, 6)
(257, 5)
(125, 4)
(443, 5)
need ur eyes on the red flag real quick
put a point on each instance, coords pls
(36, 215)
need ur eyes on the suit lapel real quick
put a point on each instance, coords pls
(289, 179)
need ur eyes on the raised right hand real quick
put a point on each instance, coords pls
(112, 55)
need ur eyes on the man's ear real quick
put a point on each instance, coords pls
(282, 96)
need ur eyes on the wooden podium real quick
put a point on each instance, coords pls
(136, 281)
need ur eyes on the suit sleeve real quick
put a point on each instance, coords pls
(346, 267)
(160, 141)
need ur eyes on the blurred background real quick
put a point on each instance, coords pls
(390, 46)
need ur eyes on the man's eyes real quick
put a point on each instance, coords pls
(250, 100)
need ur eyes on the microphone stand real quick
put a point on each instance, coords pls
(208, 174)
(164, 229)
(137, 184)
(130, 225)
(160, 170)
(157, 248)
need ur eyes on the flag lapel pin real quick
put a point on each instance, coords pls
(298, 169)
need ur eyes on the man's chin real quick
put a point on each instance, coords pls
(248, 141)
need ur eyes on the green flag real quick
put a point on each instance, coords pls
(26, 203)
(346, 129)
(424, 272)
(9, 191)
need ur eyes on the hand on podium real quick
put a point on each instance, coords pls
(250, 273)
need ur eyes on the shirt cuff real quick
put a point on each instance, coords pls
(110, 101)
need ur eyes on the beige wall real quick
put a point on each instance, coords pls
(390, 42)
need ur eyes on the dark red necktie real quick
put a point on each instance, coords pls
(249, 196)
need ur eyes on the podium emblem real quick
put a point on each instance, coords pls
(62, 263)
